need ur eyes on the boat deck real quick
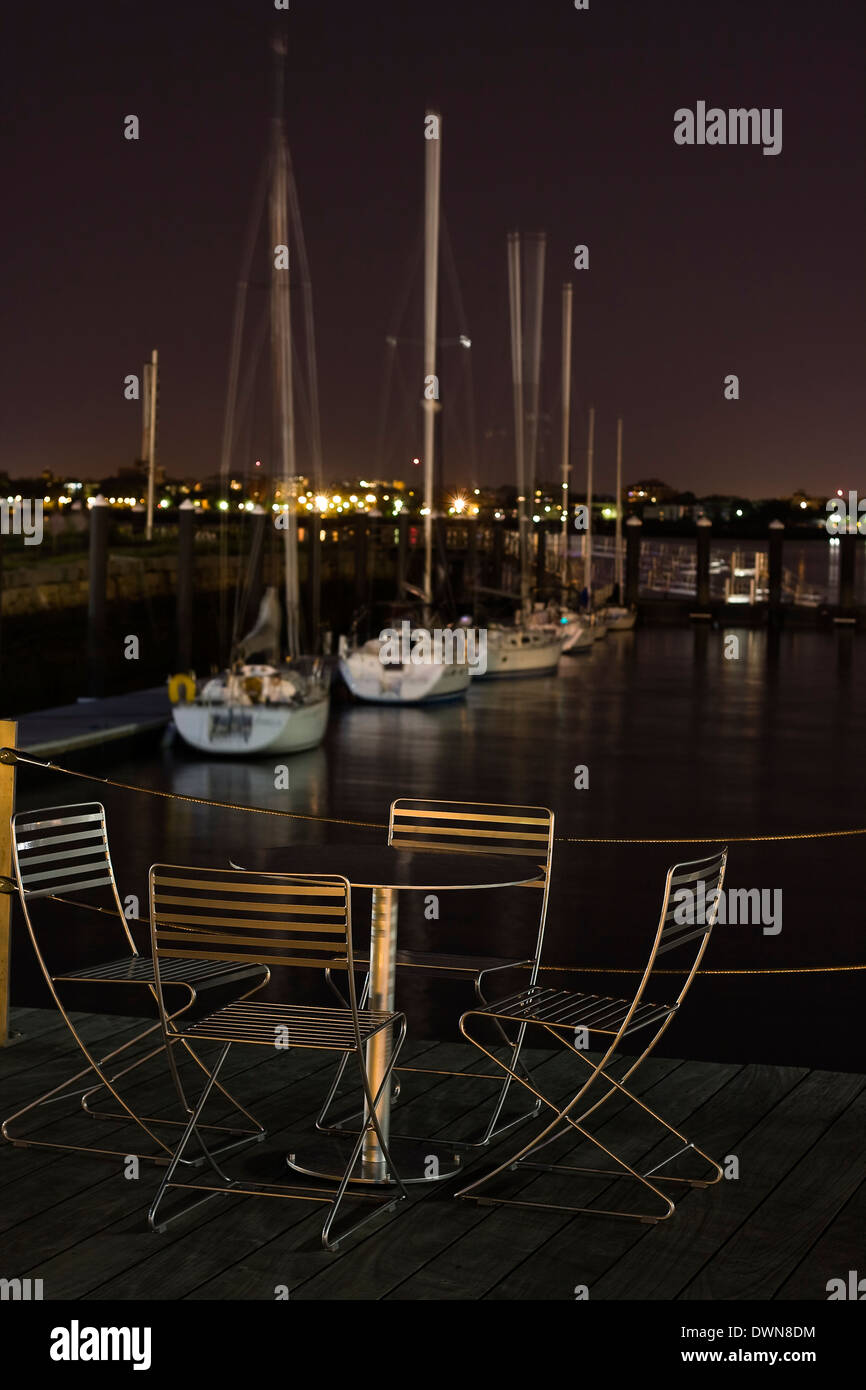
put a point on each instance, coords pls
(781, 1229)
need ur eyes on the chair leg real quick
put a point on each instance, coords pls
(95, 1066)
(562, 1116)
(686, 1145)
(177, 1157)
(235, 1138)
(492, 1130)
(372, 1122)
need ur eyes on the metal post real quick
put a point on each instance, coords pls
(360, 561)
(185, 542)
(498, 553)
(777, 536)
(633, 528)
(847, 560)
(540, 557)
(99, 516)
(703, 562)
(587, 546)
(402, 552)
(314, 583)
(618, 522)
(470, 564)
(152, 386)
(8, 739)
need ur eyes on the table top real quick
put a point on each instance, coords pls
(379, 866)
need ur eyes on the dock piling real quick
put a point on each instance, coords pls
(8, 739)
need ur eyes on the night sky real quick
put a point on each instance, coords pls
(703, 261)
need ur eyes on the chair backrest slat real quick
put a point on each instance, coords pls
(480, 827)
(472, 827)
(83, 862)
(269, 919)
(689, 909)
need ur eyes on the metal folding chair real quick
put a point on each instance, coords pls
(302, 921)
(63, 850)
(471, 828)
(571, 1019)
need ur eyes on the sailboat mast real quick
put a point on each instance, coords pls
(281, 351)
(432, 180)
(536, 245)
(566, 434)
(587, 549)
(516, 314)
(618, 542)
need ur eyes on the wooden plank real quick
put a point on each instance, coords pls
(379, 1267)
(805, 1195)
(664, 1258)
(471, 1267)
(287, 1233)
(837, 1251)
(116, 1250)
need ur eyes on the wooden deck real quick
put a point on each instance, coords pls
(786, 1225)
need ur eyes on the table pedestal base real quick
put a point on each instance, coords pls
(417, 1161)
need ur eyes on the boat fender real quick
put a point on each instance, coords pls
(181, 689)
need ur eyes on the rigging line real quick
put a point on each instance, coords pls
(247, 411)
(552, 969)
(239, 315)
(384, 402)
(463, 327)
(312, 378)
(398, 318)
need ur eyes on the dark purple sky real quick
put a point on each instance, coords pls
(703, 261)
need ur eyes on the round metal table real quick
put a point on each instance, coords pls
(388, 872)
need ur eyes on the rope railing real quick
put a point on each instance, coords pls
(14, 755)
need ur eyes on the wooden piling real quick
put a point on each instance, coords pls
(96, 602)
(8, 739)
(185, 543)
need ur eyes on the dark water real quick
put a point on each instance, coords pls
(678, 740)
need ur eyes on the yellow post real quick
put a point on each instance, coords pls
(8, 739)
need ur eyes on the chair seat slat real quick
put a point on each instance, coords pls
(245, 958)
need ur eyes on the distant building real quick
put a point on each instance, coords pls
(664, 511)
(651, 490)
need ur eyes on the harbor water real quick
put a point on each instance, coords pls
(655, 734)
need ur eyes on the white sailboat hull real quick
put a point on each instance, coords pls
(522, 651)
(376, 683)
(578, 637)
(619, 619)
(215, 727)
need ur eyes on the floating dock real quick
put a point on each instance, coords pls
(46, 733)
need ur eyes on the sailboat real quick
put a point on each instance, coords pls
(372, 672)
(273, 706)
(527, 647)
